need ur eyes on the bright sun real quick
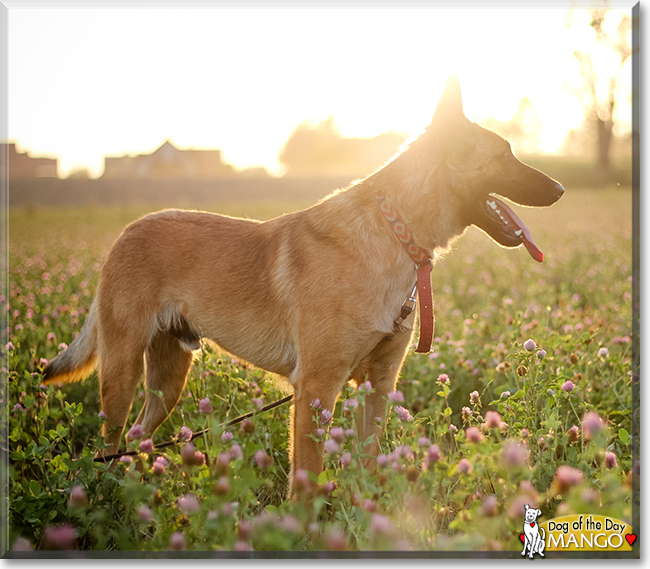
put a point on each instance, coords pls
(242, 80)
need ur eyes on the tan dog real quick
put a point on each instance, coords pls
(313, 296)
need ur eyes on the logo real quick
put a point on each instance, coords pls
(579, 532)
(534, 537)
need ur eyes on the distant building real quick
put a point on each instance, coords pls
(168, 162)
(21, 165)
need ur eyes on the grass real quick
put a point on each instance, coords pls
(491, 421)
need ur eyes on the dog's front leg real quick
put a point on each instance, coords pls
(381, 368)
(306, 413)
(535, 545)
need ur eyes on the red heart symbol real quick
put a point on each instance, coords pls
(631, 538)
(532, 524)
(522, 537)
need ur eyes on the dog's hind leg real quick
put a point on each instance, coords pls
(120, 370)
(167, 364)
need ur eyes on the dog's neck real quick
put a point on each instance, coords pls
(403, 234)
(419, 200)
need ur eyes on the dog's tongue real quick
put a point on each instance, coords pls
(527, 239)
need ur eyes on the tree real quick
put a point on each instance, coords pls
(79, 173)
(601, 69)
(320, 150)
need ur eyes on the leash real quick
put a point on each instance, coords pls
(423, 264)
(197, 433)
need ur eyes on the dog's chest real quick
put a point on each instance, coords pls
(530, 528)
(398, 288)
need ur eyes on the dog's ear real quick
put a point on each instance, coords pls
(539, 512)
(526, 506)
(449, 130)
(450, 107)
(451, 102)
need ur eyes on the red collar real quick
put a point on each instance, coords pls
(402, 232)
(422, 260)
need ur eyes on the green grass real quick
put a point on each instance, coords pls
(576, 306)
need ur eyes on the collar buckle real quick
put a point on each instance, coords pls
(409, 303)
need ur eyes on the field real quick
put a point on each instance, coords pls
(526, 398)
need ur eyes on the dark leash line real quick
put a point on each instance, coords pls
(198, 433)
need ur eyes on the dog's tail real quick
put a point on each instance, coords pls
(80, 359)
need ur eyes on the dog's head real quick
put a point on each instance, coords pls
(531, 514)
(477, 164)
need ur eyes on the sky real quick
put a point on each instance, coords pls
(89, 82)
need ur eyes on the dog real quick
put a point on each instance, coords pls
(533, 539)
(315, 296)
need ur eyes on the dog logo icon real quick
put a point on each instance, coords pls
(533, 539)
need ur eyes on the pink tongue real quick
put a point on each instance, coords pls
(514, 221)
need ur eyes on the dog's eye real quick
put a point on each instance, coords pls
(508, 154)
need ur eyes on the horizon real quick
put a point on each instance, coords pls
(237, 170)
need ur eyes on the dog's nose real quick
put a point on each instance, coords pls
(559, 190)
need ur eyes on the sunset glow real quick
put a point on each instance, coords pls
(85, 83)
